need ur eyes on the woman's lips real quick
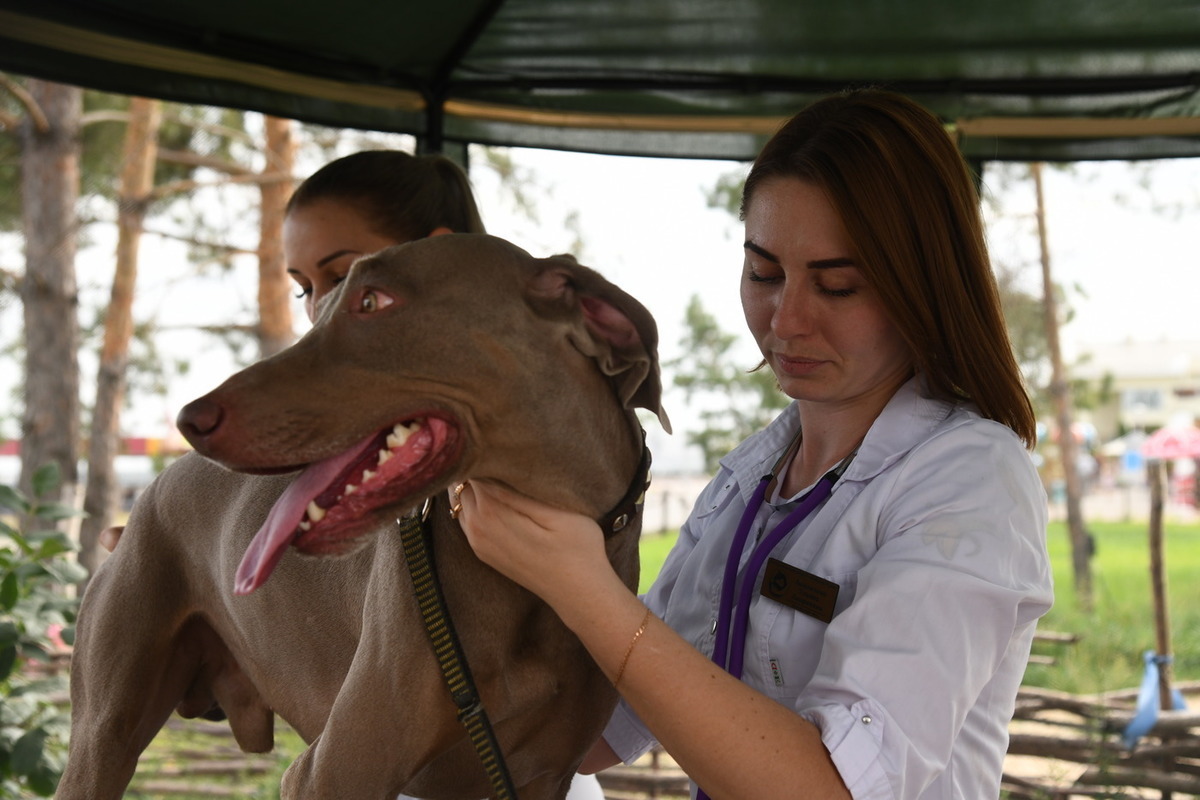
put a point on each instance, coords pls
(798, 366)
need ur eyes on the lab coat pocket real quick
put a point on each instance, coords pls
(795, 628)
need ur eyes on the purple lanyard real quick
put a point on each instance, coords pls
(728, 652)
(732, 649)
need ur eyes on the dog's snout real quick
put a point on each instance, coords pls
(199, 419)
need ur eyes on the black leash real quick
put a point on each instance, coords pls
(418, 552)
(414, 536)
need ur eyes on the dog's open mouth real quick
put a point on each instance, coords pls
(329, 504)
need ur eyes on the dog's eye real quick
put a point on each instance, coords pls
(371, 300)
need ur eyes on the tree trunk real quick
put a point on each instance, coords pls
(137, 179)
(1156, 472)
(1060, 391)
(275, 330)
(50, 151)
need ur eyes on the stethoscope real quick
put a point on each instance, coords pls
(730, 645)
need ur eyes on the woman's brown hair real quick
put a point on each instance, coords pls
(405, 197)
(904, 193)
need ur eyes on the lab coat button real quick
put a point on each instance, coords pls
(866, 720)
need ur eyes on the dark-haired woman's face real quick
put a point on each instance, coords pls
(819, 323)
(320, 241)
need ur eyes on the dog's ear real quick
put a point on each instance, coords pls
(607, 325)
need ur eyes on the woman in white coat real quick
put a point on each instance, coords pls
(849, 609)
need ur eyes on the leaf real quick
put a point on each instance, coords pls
(51, 548)
(27, 752)
(11, 498)
(53, 511)
(8, 659)
(46, 479)
(67, 571)
(43, 781)
(10, 591)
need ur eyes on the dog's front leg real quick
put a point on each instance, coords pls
(393, 714)
(125, 679)
(377, 737)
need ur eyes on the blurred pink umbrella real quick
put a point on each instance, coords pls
(1172, 442)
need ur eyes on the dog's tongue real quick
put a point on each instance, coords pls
(274, 537)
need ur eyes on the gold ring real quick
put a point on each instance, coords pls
(454, 512)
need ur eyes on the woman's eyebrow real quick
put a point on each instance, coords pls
(334, 255)
(767, 254)
(832, 263)
(821, 263)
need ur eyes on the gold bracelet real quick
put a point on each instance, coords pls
(629, 651)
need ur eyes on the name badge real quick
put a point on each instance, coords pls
(793, 587)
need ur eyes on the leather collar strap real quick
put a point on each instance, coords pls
(630, 505)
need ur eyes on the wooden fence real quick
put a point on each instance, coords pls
(1061, 746)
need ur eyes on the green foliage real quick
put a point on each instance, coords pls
(34, 571)
(735, 401)
(1114, 635)
(11, 111)
(727, 194)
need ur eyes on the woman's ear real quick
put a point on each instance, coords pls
(440, 231)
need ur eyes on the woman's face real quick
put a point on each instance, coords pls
(321, 239)
(821, 327)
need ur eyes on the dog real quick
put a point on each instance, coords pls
(263, 574)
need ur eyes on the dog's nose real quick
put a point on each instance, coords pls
(199, 419)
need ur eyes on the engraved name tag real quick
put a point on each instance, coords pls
(807, 593)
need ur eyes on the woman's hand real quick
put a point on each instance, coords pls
(545, 549)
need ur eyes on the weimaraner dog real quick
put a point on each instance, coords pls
(447, 358)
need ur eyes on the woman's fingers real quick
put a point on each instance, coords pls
(532, 543)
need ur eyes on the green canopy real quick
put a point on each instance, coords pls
(1018, 79)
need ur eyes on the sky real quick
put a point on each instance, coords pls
(1126, 235)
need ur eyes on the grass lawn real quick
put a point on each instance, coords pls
(1120, 628)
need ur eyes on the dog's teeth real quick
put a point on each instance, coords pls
(367, 475)
(350, 489)
(400, 434)
(315, 512)
(304, 525)
(384, 455)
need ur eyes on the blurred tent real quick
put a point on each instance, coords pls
(1124, 445)
(1017, 79)
(1172, 442)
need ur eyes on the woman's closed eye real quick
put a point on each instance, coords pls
(763, 273)
(307, 291)
(751, 275)
(830, 291)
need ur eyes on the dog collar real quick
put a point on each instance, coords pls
(630, 505)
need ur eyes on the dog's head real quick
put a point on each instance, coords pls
(443, 358)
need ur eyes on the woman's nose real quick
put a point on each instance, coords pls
(794, 313)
